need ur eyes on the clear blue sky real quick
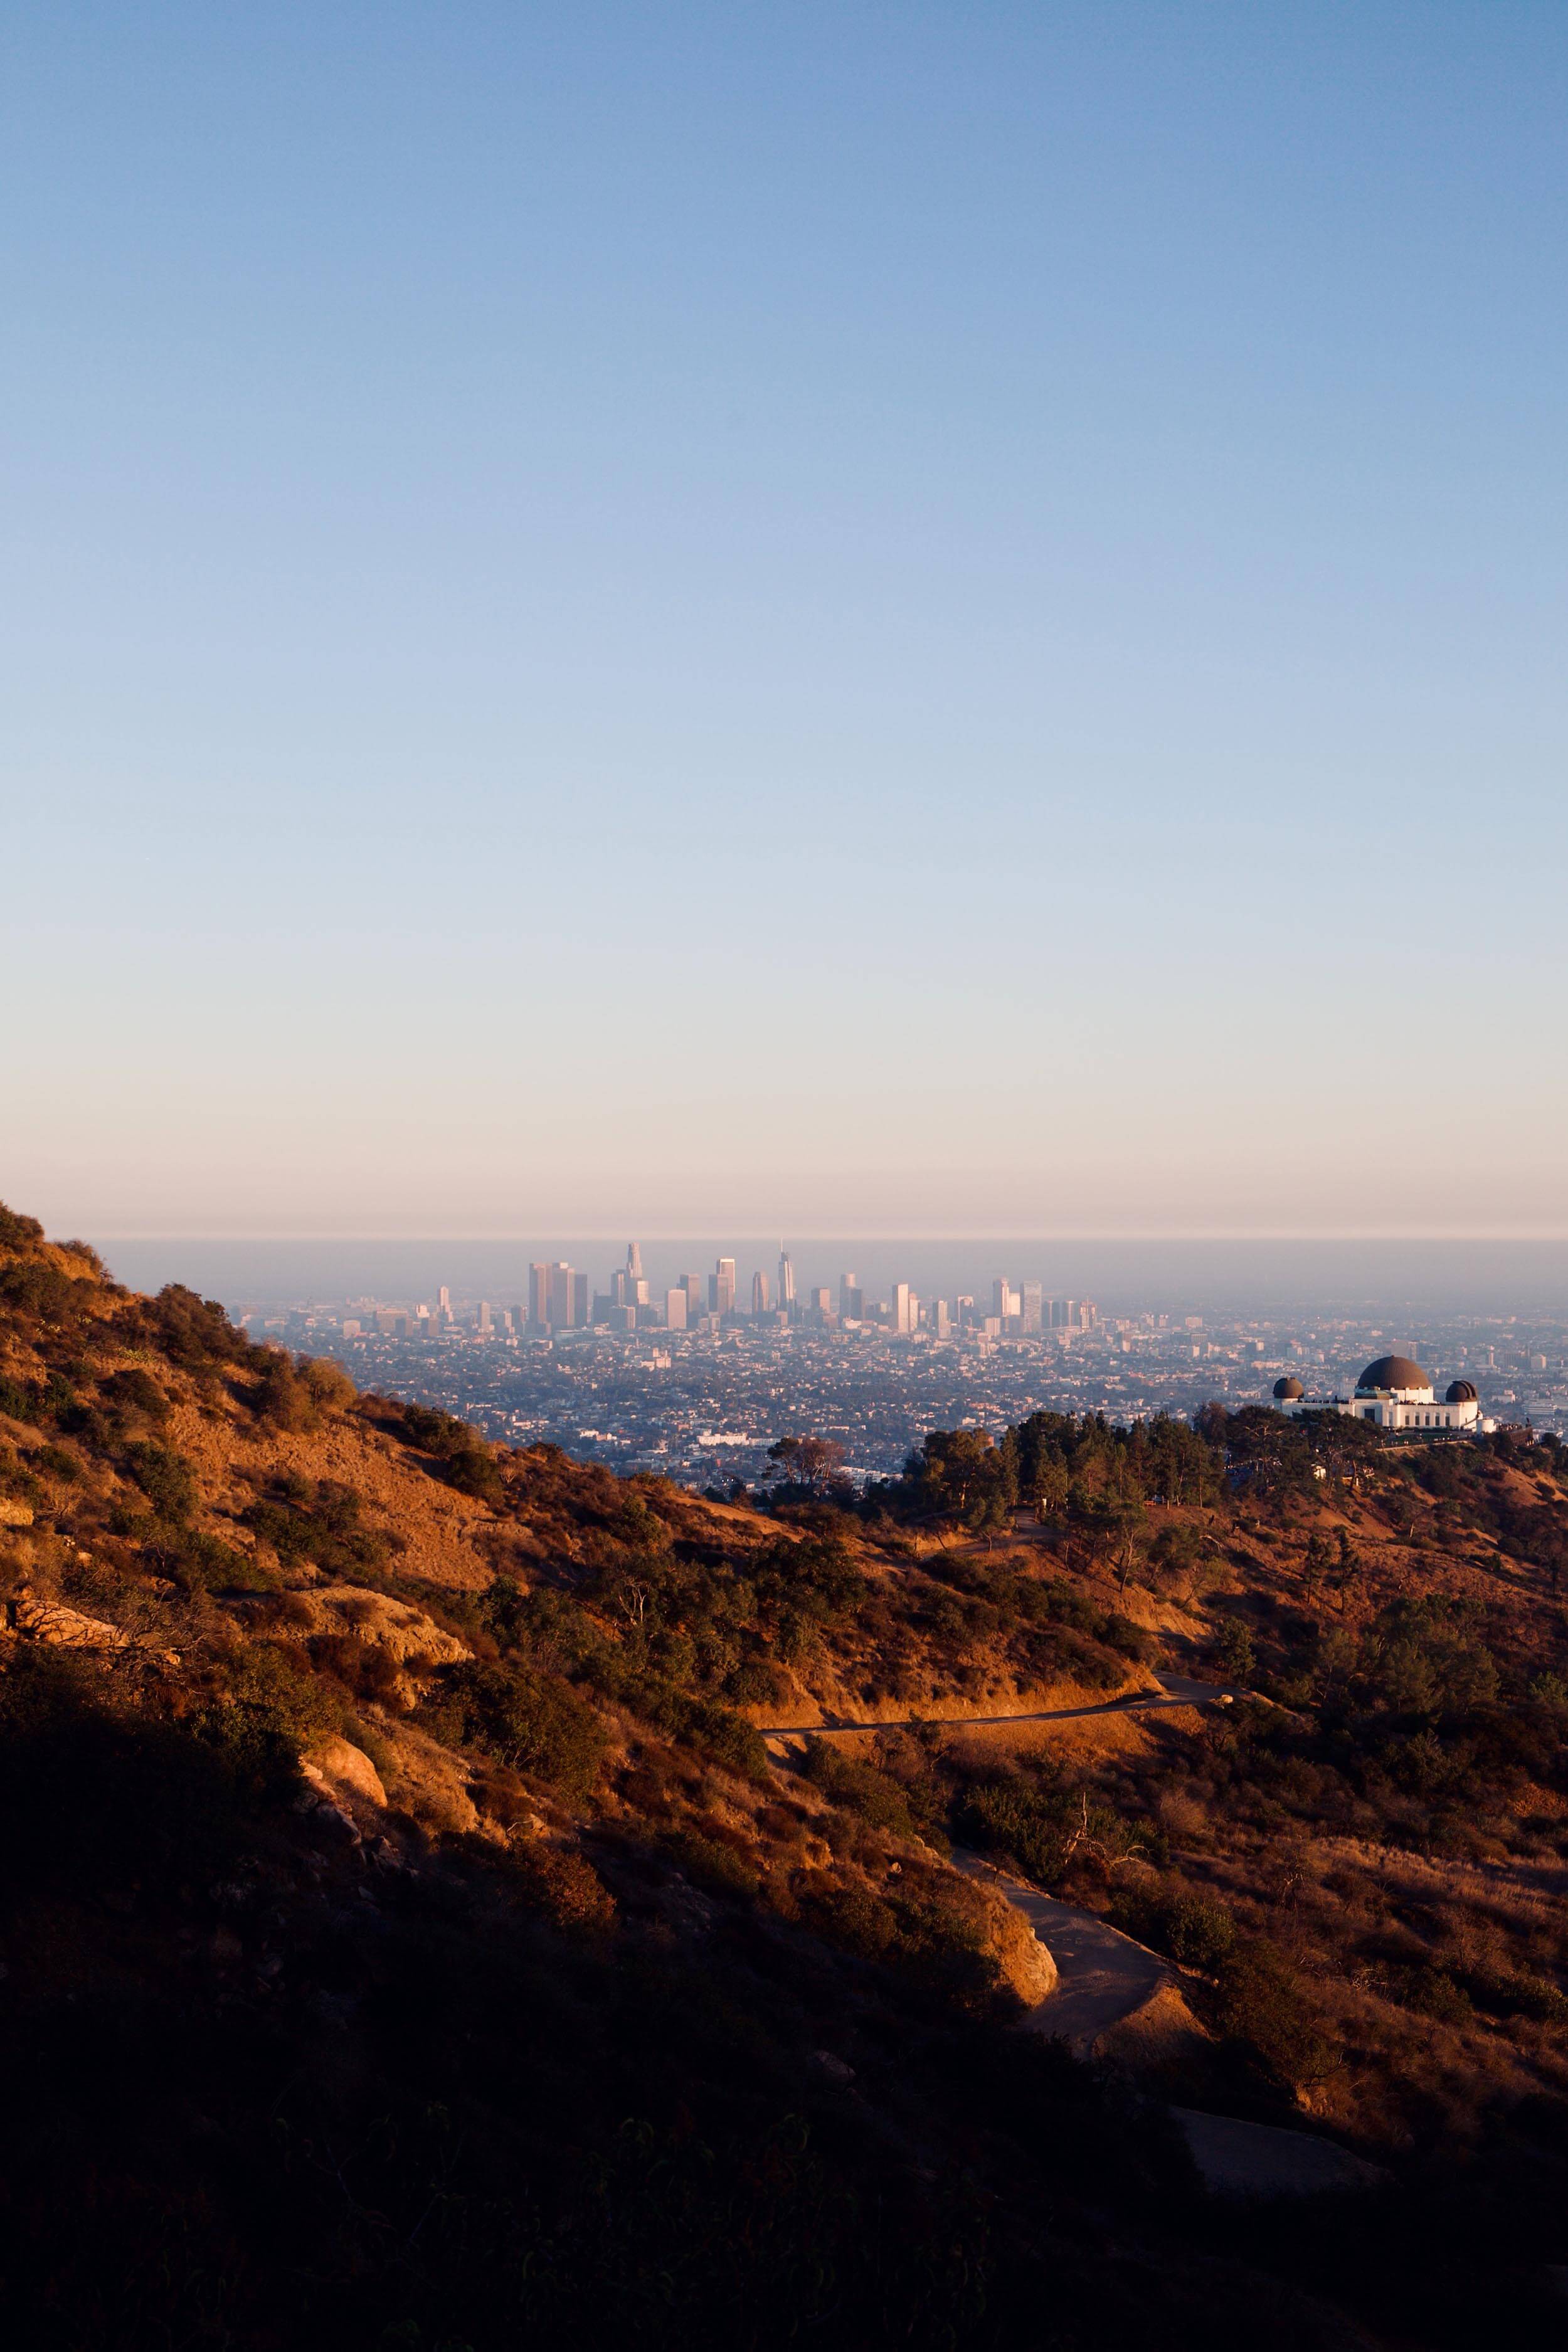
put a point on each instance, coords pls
(673, 618)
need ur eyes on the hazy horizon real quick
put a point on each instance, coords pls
(1356, 1280)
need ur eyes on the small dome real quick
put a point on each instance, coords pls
(1460, 1393)
(1394, 1372)
(1289, 1387)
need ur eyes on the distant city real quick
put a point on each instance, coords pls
(696, 1380)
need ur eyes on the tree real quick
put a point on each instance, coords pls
(815, 1463)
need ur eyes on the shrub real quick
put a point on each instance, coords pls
(536, 1723)
(321, 1524)
(1030, 1824)
(137, 1391)
(275, 1687)
(466, 1461)
(202, 1563)
(193, 1331)
(861, 1788)
(1261, 2004)
(16, 1231)
(713, 1863)
(1189, 1927)
(164, 1477)
(34, 1287)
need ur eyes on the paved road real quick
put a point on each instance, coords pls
(1176, 1690)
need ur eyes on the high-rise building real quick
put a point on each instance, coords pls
(759, 1293)
(634, 1262)
(1030, 1307)
(675, 1309)
(822, 1305)
(567, 1303)
(939, 1323)
(721, 1287)
(906, 1309)
(850, 1298)
(538, 1297)
(1005, 1304)
(692, 1286)
(786, 1280)
(444, 1299)
(483, 1324)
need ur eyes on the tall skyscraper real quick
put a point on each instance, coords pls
(483, 1324)
(759, 1293)
(634, 1262)
(786, 1280)
(567, 1303)
(721, 1287)
(675, 1309)
(1030, 1309)
(850, 1300)
(1004, 1298)
(940, 1322)
(692, 1286)
(538, 1297)
(903, 1308)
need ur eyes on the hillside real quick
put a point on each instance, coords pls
(411, 1940)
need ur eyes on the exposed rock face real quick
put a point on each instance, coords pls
(406, 1635)
(1022, 1957)
(65, 1629)
(339, 1769)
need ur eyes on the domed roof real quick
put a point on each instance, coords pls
(1288, 1387)
(1460, 1393)
(1395, 1372)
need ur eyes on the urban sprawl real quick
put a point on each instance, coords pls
(696, 1383)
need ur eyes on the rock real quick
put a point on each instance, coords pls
(338, 1768)
(66, 1628)
(1024, 1961)
(838, 2068)
(1245, 2160)
(14, 1514)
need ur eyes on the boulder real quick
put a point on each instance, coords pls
(339, 1769)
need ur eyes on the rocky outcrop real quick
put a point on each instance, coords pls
(339, 1769)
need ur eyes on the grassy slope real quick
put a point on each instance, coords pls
(599, 2024)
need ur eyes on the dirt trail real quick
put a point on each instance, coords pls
(1176, 1690)
(1102, 1974)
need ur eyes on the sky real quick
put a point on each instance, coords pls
(886, 620)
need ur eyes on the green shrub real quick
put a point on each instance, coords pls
(861, 1788)
(321, 1524)
(17, 1231)
(712, 1863)
(535, 1723)
(1189, 1927)
(1028, 1822)
(276, 1689)
(164, 1477)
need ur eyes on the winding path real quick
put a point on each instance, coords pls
(1103, 1976)
(1176, 1690)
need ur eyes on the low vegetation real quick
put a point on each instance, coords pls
(410, 1938)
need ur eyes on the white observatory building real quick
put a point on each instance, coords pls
(1396, 1394)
